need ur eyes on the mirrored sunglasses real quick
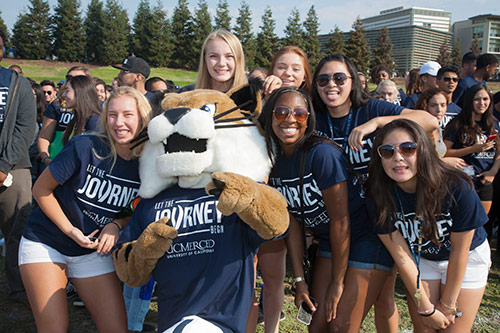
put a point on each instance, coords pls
(339, 79)
(281, 113)
(406, 149)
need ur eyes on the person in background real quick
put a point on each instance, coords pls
(55, 120)
(156, 83)
(473, 136)
(17, 68)
(114, 83)
(49, 90)
(430, 219)
(381, 73)
(17, 131)
(428, 76)
(133, 73)
(447, 81)
(412, 82)
(100, 87)
(258, 72)
(389, 91)
(364, 83)
(487, 66)
(468, 65)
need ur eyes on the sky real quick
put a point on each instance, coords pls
(330, 12)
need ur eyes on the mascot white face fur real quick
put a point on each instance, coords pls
(196, 137)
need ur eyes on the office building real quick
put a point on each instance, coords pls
(486, 28)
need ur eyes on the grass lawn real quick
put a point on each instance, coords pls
(40, 70)
(17, 318)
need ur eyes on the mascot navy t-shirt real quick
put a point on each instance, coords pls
(89, 193)
(462, 212)
(209, 246)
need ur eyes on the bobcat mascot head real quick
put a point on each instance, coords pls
(201, 132)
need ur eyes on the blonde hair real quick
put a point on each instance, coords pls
(204, 80)
(143, 108)
(387, 83)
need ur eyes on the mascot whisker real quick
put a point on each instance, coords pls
(204, 210)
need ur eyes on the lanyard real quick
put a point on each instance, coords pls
(416, 257)
(347, 129)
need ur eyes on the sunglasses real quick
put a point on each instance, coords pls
(281, 113)
(406, 149)
(450, 79)
(339, 79)
(47, 92)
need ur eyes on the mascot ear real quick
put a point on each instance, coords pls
(170, 101)
(248, 97)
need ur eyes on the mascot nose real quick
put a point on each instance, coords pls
(174, 115)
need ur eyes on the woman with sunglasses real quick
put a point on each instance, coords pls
(431, 221)
(310, 164)
(473, 136)
(289, 68)
(80, 196)
(347, 115)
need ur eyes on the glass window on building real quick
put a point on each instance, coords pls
(494, 46)
(478, 31)
(495, 30)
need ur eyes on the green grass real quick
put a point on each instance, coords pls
(39, 70)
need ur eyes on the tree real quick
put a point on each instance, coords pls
(267, 40)
(312, 46)
(93, 23)
(456, 55)
(142, 26)
(443, 57)
(3, 27)
(222, 17)
(382, 53)
(31, 33)
(182, 36)
(243, 30)
(293, 32)
(68, 33)
(161, 41)
(357, 47)
(335, 44)
(474, 47)
(116, 31)
(202, 27)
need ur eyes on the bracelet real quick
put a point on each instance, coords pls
(427, 312)
(298, 279)
(113, 222)
(453, 310)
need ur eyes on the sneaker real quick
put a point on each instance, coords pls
(282, 316)
(70, 290)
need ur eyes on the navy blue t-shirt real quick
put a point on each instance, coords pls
(90, 193)
(482, 161)
(325, 166)
(462, 87)
(56, 112)
(451, 111)
(462, 212)
(5, 75)
(411, 100)
(339, 131)
(208, 271)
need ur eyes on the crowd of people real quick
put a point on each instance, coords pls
(389, 182)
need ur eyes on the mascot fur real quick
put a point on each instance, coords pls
(203, 214)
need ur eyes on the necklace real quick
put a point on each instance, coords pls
(416, 257)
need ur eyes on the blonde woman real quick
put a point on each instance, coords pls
(74, 228)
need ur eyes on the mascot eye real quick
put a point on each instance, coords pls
(208, 108)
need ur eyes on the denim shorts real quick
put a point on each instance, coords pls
(368, 252)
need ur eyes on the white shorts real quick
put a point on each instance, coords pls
(476, 273)
(84, 266)
(193, 324)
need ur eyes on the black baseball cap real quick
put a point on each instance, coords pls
(134, 65)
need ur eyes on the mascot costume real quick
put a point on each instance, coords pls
(204, 210)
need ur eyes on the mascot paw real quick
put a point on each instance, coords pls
(235, 192)
(156, 238)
